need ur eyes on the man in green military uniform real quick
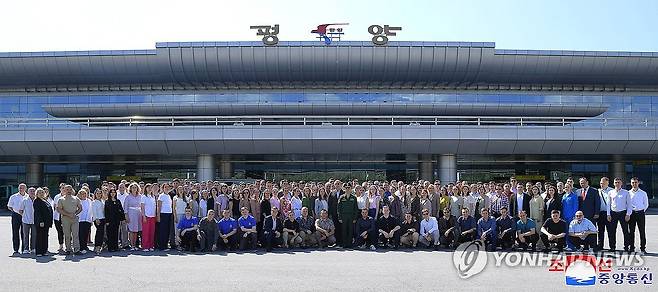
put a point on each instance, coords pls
(347, 214)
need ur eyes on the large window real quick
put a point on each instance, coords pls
(620, 107)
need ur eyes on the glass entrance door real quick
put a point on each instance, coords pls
(5, 192)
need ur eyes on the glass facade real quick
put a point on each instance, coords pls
(619, 106)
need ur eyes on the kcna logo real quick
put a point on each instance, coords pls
(580, 270)
(470, 259)
(328, 32)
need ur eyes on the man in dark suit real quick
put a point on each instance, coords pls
(588, 200)
(272, 229)
(519, 202)
(334, 190)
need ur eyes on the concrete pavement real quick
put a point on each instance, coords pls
(302, 270)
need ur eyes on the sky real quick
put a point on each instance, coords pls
(602, 25)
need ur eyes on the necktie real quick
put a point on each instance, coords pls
(583, 194)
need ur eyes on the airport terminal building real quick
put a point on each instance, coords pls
(305, 110)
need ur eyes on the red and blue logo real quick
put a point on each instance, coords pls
(329, 32)
(580, 270)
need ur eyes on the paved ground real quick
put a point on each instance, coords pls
(283, 271)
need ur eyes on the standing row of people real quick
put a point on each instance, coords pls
(132, 215)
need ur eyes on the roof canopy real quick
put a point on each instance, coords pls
(208, 63)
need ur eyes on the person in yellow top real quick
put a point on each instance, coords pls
(444, 199)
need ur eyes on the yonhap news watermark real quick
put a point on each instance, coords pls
(471, 259)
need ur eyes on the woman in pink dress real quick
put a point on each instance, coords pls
(133, 207)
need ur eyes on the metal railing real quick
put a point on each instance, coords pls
(324, 121)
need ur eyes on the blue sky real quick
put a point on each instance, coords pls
(41, 25)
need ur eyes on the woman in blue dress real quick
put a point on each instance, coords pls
(569, 207)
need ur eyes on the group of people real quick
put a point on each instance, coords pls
(210, 216)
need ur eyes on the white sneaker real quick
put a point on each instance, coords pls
(372, 247)
(26, 252)
(145, 250)
(151, 249)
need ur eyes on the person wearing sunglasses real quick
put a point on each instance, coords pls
(429, 231)
(582, 233)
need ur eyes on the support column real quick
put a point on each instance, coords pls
(425, 170)
(205, 167)
(618, 168)
(225, 167)
(34, 174)
(447, 168)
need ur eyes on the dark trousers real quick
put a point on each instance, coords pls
(448, 240)
(84, 228)
(491, 241)
(100, 232)
(259, 228)
(16, 226)
(346, 232)
(251, 239)
(42, 240)
(589, 241)
(189, 240)
(618, 217)
(113, 236)
(230, 245)
(559, 242)
(465, 238)
(395, 240)
(338, 233)
(530, 241)
(602, 224)
(164, 228)
(60, 231)
(507, 240)
(206, 243)
(172, 232)
(371, 240)
(270, 240)
(637, 219)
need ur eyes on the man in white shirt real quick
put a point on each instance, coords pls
(640, 203)
(429, 230)
(602, 221)
(16, 219)
(29, 229)
(122, 193)
(619, 210)
(85, 220)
